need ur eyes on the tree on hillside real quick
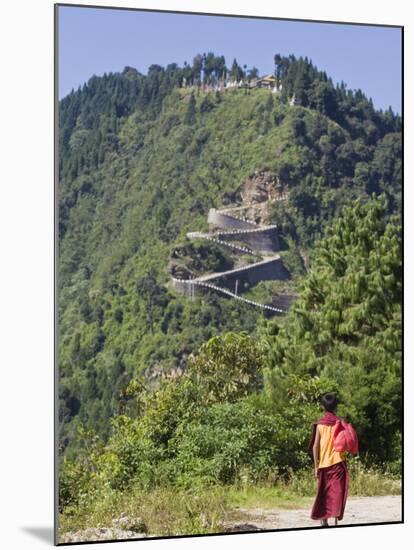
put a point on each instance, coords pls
(253, 73)
(221, 69)
(191, 111)
(148, 289)
(197, 68)
(209, 67)
(277, 59)
(236, 72)
(322, 98)
(188, 74)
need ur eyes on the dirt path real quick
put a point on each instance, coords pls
(358, 510)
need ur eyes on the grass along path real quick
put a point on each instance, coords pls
(359, 510)
(171, 511)
(168, 511)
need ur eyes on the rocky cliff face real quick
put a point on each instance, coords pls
(259, 189)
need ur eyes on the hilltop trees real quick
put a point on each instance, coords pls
(252, 74)
(207, 69)
(236, 72)
(214, 68)
(281, 66)
(90, 117)
(197, 68)
(312, 88)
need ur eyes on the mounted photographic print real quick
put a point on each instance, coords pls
(228, 274)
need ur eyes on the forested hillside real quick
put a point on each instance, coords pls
(241, 413)
(142, 159)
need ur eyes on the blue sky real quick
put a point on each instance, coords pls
(95, 41)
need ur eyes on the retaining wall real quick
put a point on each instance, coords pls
(266, 270)
(227, 221)
(262, 239)
(196, 287)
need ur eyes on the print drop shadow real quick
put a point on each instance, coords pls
(42, 533)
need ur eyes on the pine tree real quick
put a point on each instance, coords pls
(191, 111)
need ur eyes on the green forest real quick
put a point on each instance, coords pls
(142, 159)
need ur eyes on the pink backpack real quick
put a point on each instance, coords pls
(345, 438)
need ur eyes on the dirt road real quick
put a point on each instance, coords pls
(358, 510)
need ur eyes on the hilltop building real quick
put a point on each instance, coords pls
(268, 82)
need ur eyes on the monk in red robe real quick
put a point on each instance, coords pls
(331, 472)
